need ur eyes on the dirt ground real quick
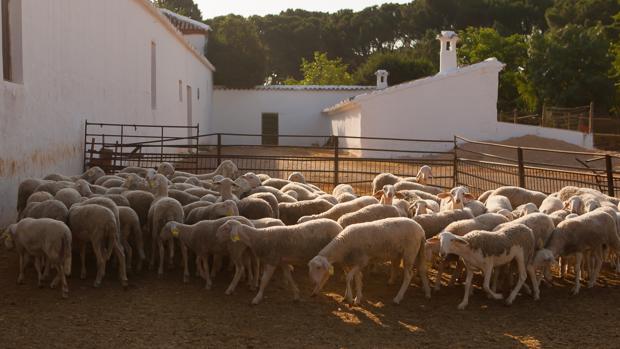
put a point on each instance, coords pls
(165, 313)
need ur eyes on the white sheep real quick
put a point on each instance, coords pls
(53, 209)
(423, 207)
(519, 196)
(495, 203)
(390, 239)
(368, 214)
(339, 210)
(455, 199)
(524, 210)
(213, 211)
(39, 196)
(283, 246)
(550, 205)
(485, 250)
(44, 239)
(434, 223)
(291, 212)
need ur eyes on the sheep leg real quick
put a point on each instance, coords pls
(458, 272)
(423, 273)
(139, 240)
(46, 269)
(162, 256)
(563, 267)
(286, 271)
(597, 255)
(578, 260)
(101, 261)
(468, 279)
(185, 263)
(394, 266)
(37, 267)
(408, 274)
(348, 294)
(520, 281)
(199, 270)
(205, 267)
(269, 269)
(171, 253)
(63, 280)
(83, 260)
(239, 270)
(22, 264)
(488, 271)
(120, 255)
(440, 269)
(154, 244)
(535, 283)
(128, 253)
(217, 264)
(358, 287)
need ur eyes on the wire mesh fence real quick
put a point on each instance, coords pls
(328, 161)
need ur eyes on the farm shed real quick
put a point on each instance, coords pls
(114, 61)
(456, 101)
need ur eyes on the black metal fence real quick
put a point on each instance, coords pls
(331, 160)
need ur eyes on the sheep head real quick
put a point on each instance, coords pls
(574, 205)
(386, 194)
(319, 270)
(166, 169)
(450, 244)
(457, 196)
(424, 174)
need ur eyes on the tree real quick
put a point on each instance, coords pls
(237, 52)
(402, 65)
(569, 67)
(323, 71)
(582, 12)
(478, 44)
(185, 8)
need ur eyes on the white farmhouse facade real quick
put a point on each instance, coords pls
(277, 109)
(456, 101)
(113, 61)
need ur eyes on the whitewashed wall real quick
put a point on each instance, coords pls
(299, 112)
(89, 59)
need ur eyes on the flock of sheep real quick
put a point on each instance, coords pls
(259, 224)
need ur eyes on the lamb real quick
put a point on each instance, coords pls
(271, 200)
(39, 196)
(487, 221)
(282, 246)
(496, 203)
(254, 208)
(550, 205)
(382, 179)
(130, 228)
(291, 212)
(225, 188)
(96, 223)
(455, 199)
(215, 211)
(202, 239)
(390, 239)
(434, 223)
(53, 209)
(486, 250)
(524, 210)
(519, 196)
(44, 239)
(591, 232)
(386, 194)
(423, 207)
(337, 211)
(369, 213)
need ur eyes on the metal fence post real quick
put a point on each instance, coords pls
(521, 168)
(611, 191)
(161, 150)
(219, 149)
(336, 162)
(85, 148)
(114, 160)
(455, 174)
(122, 149)
(591, 118)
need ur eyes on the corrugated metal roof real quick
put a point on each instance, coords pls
(303, 88)
(185, 24)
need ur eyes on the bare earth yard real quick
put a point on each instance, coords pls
(164, 313)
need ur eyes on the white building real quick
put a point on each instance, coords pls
(457, 101)
(277, 109)
(67, 61)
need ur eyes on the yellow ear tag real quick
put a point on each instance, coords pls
(230, 213)
(235, 237)
(175, 232)
(331, 270)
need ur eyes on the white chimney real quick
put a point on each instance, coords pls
(447, 52)
(382, 76)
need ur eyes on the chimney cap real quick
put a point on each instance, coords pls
(382, 72)
(447, 34)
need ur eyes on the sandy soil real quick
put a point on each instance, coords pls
(165, 313)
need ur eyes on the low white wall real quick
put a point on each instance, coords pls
(507, 130)
(89, 60)
(299, 112)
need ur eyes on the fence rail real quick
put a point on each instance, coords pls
(331, 160)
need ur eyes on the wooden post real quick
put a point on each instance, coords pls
(455, 173)
(92, 151)
(114, 157)
(85, 148)
(336, 162)
(591, 118)
(121, 154)
(543, 115)
(521, 167)
(514, 115)
(219, 149)
(610, 176)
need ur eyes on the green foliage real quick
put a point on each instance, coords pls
(582, 12)
(570, 66)
(478, 44)
(186, 8)
(237, 52)
(402, 65)
(323, 71)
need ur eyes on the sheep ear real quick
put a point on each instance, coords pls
(433, 239)
(400, 195)
(444, 195)
(469, 197)
(378, 194)
(461, 241)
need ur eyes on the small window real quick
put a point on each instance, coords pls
(153, 75)
(198, 93)
(448, 46)
(180, 90)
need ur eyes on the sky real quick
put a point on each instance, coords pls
(214, 8)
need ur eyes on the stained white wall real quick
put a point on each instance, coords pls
(89, 60)
(299, 112)
(199, 41)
